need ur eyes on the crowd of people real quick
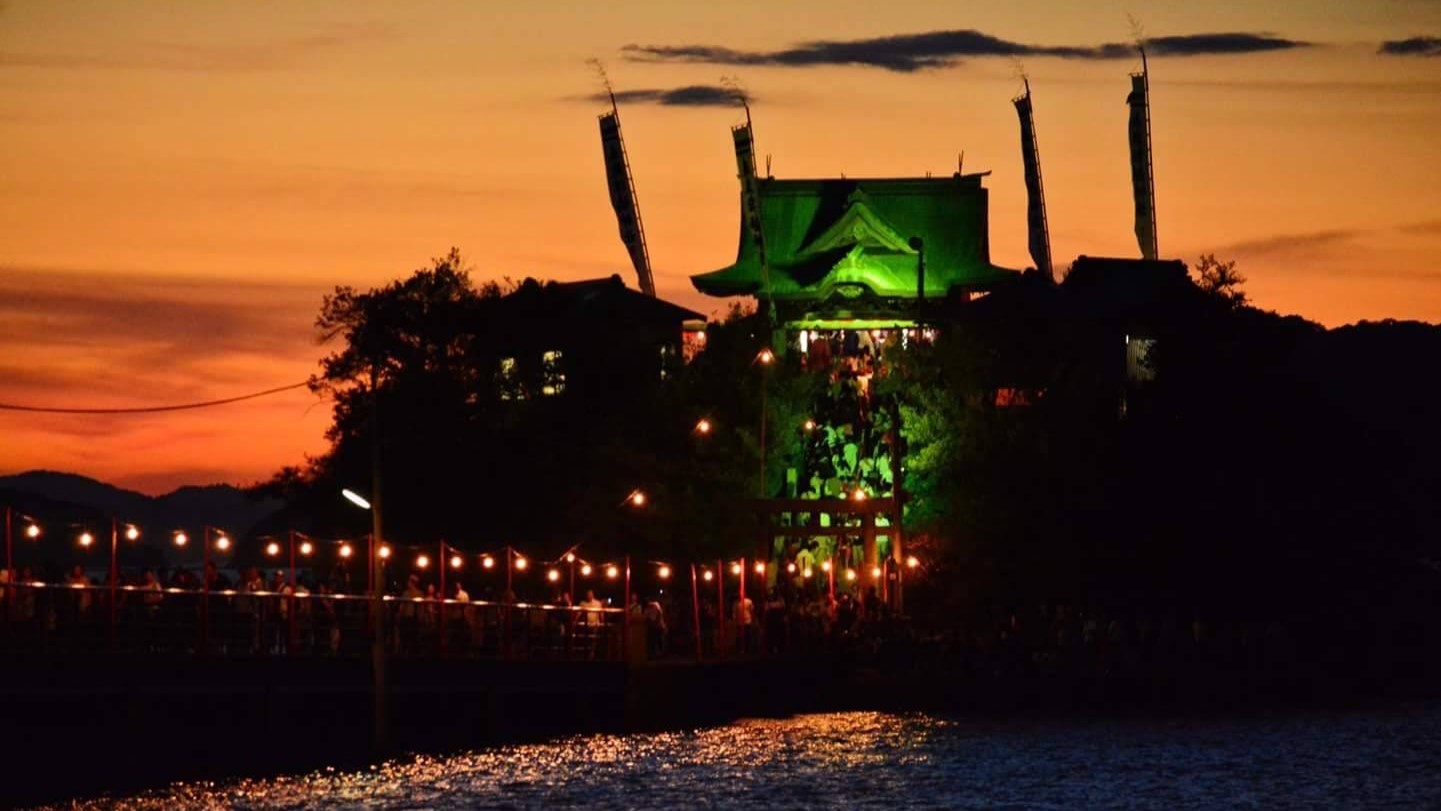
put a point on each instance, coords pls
(246, 612)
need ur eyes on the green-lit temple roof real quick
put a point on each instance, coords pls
(853, 239)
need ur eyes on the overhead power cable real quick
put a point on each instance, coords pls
(149, 409)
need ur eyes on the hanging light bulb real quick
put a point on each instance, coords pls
(456, 561)
(346, 551)
(272, 549)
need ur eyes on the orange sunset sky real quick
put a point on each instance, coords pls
(182, 180)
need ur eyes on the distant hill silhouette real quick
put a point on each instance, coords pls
(59, 500)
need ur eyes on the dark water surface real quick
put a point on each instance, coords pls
(1362, 759)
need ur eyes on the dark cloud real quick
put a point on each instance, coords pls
(696, 95)
(1213, 44)
(1415, 46)
(906, 53)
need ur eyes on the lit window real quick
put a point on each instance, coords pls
(552, 373)
(508, 382)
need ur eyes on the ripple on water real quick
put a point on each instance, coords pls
(875, 760)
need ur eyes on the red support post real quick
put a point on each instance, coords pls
(695, 610)
(720, 585)
(9, 570)
(742, 630)
(114, 574)
(292, 631)
(443, 563)
(205, 586)
(625, 617)
(509, 598)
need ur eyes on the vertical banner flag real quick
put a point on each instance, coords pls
(750, 196)
(1038, 237)
(622, 199)
(1142, 183)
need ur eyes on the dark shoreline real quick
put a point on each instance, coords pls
(148, 728)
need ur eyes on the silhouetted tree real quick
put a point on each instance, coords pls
(1220, 279)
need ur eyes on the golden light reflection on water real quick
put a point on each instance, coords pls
(659, 770)
(867, 760)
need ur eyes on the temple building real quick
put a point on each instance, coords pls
(848, 270)
(843, 254)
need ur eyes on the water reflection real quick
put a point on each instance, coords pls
(875, 760)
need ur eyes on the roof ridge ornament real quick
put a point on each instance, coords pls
(859, 226)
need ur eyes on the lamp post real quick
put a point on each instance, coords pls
(764, 358)
(131, 533)
(206, 584)
(380, 720)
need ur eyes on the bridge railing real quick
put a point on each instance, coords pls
(131, 619)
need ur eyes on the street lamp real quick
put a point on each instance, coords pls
(222, 544)
(131, 533)
(377, 570)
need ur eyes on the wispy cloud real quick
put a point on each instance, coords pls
(906, 53)
(695, 95)
(109, 336)
(1424, 228)
(1290, 244)
(1415, 46)
(275, 54)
